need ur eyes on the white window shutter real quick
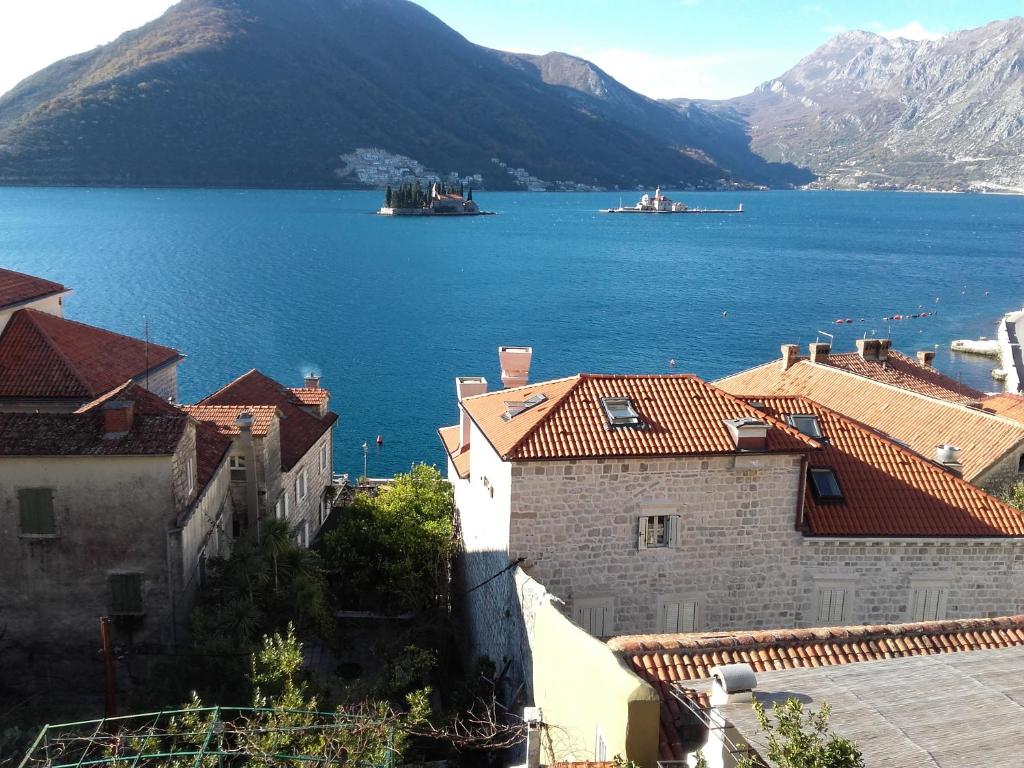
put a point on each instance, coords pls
(689, 617)
(672, 530)
(641, 539)
(670, 620)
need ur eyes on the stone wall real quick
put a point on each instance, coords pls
(737, 554)
(162, 382)
(1002, 474)
(308, 510)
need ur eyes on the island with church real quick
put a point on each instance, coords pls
(441, 200)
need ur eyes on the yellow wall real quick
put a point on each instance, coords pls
(582, 686)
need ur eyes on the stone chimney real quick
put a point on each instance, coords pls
(312, 381)
(244, 422)
(926, 357)
(533, 717)
(467, 386)
(819, 351)
(949, 457)
(117, 417)
(248, 447)
(874, 350)
(790, 354)
(515, 365)
(748, 433)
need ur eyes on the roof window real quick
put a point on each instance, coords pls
(515, 407)
(824, 484)
(620, 412)
(807, 423)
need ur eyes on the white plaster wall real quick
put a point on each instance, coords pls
(52, 305)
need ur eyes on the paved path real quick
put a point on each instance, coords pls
(1010, 329)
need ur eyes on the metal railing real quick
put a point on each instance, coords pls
(703, 716)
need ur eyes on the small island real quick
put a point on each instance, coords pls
(442, 200)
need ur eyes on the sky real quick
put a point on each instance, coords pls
(661, 48)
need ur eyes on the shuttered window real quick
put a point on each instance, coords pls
(36, 512)
(125, 594)
(928, 602)
(655, 531)
(832, 606)
(679, 616)
(594, 615)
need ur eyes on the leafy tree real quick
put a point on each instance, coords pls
(801, 738)
(1015, 496)
(393, 552)
(387, 197)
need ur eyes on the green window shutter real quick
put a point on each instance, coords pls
(36, 509)
(125, 593)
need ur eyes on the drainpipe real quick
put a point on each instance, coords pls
(801, 492)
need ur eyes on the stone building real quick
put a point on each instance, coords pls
(662, 504)
(21, 291)
(906, 399)
(281, 456)
(111, 509)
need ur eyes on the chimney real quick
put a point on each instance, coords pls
(790, 354)
(467, 386)
(533, 717)
(244, 422)
(819, 351)
(949, 457)
(515, 365)
(732, 684)
(117, 417)
(748, 433)
(312, 381)
(926, 357)
(874, 350)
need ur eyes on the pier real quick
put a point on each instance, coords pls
(1010, 355)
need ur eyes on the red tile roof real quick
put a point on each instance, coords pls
(299, 430)
(889, 490)
(1005, 404)
(459, 456)
(223, 417)
(318, 397)
(905, 373)
(920, 421)
(681, 415)
(156, 429)
(17, 288)
(666, 659)
(44, 356)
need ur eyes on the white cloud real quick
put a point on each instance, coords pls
(912, 30)
(713, 76)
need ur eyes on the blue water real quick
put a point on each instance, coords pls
(391, 310)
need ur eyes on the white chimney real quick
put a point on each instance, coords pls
(819, 351)
(732, 683)
(874, 350)
(949, 457)
(515, 365)
(533, 717)
(790, 354)
(748, 433)
(467, 386)
(244, 422)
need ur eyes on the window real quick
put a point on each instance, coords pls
(323, 456)
(824, 484)
(657, 531)
(325, 507)
(125, 594)
(201, 567)
(833, 604)
(237, 465)
(514, 407)
(594, 614)
(806, 423)
(1020, 464)
(281, 508)
(676, 614)
(620, 412)
(35, 507)
(928, 602)
(302, 535)
(302, 484)
(190, 474)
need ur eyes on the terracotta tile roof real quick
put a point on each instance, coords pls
(919, 421)
(905, 373)
(211, 449)
(318, 397)
(157, 427)
(44, 356)
(299, 429)
(223, 417)
(666, 659)
(17, 288)
(460, 458)
(889, 490)
(682, 415)
(1005, 404)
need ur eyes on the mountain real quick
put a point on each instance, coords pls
(343, 92)
(869, 112)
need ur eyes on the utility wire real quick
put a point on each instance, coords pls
(508, 567)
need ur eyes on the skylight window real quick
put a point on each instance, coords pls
(807, 423)
(824, 484)
(514, 407)
(620, 412)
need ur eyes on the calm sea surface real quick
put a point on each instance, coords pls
(391, 310)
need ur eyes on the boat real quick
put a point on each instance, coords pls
(660, 203)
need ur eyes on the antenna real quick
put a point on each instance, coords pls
(831, 338)
(145, 322)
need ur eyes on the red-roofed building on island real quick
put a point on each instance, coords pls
(660, 504)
